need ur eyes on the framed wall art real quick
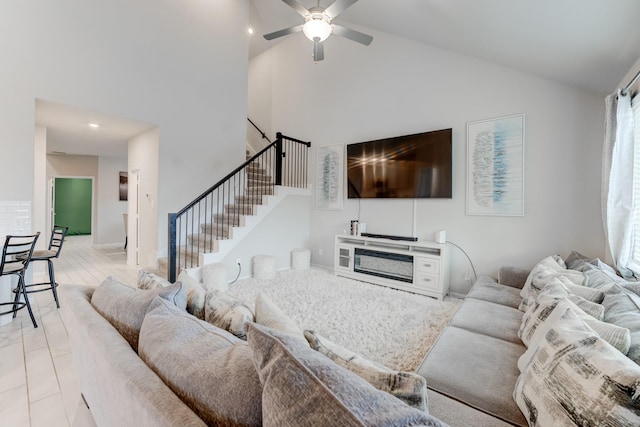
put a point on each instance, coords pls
(495, 166)
(329, 176)
(123, 188)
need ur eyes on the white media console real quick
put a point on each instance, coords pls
(420, 267)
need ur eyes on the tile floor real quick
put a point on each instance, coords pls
(38, 385)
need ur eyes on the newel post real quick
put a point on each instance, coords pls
(171, 274)
(279, 156)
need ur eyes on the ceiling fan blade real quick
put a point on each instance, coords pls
(338, 7)
(284, 32)
(350, 34)
(318, 51)
(295, 5)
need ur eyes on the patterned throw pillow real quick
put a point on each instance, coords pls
(409, 387)
(148, 280)
(542, 274)
(270, 315)
(226, 312)
(549, 266)
(195, 295)
(543, 315)
(301, 388)
(124, 307)
(576, 378)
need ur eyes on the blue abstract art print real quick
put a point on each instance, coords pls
(495, 166)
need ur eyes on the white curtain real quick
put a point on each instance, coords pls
(618, 187)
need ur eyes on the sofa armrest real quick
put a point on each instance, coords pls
(513, 276)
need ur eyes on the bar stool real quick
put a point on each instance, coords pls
(16, 255)
(55, 246)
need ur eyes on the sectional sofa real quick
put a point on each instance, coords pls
(143, 360)
(567, 374)
(509, 356)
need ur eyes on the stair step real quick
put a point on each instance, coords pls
(202, 243)
(241, 209)
(229, 219)
(220, 231)
(258, 176)
(259, 182)
(262, 190)
(255, 199)
(163, 263)
(255, 167)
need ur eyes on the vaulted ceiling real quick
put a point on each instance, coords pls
(588, 43)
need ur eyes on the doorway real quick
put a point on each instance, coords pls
(72, 204)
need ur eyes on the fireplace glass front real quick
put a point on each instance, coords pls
(384, 264)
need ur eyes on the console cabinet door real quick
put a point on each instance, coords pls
(427, 273)
(343, 258)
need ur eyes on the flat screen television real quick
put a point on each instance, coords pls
(411, 166)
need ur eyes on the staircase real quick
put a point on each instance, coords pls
(200, 229)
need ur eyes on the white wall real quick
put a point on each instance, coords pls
(283, 229)
(39, 208)
(180, 64)
(110, 226)
(143, 161)
(396, 87)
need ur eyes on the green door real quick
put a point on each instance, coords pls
(72, 204)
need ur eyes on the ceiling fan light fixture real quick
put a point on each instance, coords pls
(317, 27)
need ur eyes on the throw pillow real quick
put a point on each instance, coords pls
(148, 280)
(409, 387)
(214, 277)
(270, 315)
(195, 295)
(301, 387)
(544, 315)
(541, 275)
(556, 288)
(124, 307)
(208, 368)
(226, 312)
(576, 378)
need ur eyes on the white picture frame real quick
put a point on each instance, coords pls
(329, 176)
(495, 166)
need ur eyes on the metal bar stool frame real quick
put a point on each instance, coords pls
(58, 235)
(16, 255)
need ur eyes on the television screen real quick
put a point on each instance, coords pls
(411, 166)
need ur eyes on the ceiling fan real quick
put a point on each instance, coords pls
(318, 26)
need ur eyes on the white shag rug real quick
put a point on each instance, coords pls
(391, 327)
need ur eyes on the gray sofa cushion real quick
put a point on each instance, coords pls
(487, 289)
(118, 386)
(574, 378)
(514, 277)
(125, 307)
(487, 318)
(208, 368)
(304, 388)
(477, 370)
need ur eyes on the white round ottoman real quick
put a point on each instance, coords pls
(264, 267)
(300, 259)
(214, 277)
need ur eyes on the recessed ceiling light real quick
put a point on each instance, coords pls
(250, 30)
(94, 125)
